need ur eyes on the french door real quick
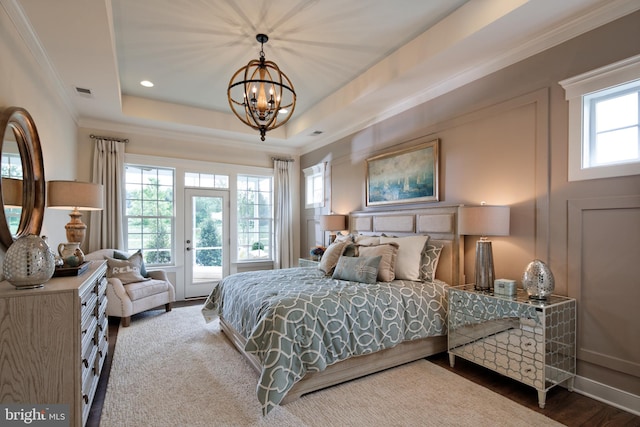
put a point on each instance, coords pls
(207, 241)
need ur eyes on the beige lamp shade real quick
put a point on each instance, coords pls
(85, 196)
(76, 196)
(332, 222)
(483, 220)
(12, 192)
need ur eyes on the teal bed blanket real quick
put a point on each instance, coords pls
(298, 320)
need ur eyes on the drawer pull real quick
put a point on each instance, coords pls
(85, 362)
(84, 331)
(84, 303)
(528, 370)
(85, 398)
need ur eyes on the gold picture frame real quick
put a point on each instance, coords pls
(404, 176)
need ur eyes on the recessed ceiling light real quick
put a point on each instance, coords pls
(146, 83)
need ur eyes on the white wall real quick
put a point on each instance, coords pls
(23, 83)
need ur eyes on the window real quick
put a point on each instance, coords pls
(604, 121)
(206, 180)
(12, 168)
(314, 186)
(255, 217)
(149, 212)
(611, 126)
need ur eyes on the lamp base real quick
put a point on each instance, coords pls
(76, 229)
(485, 273)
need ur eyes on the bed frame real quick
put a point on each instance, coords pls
(441, 223)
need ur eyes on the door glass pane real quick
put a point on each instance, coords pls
(207, 238)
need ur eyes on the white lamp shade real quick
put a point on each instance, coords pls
(85, 196)
(332, 222)
(483, 220)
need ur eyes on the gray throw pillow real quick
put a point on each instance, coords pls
(136, 255)
(357, 269)
(125, 270)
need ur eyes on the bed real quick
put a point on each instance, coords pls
(302, 329)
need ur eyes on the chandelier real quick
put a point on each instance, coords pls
(261, 95)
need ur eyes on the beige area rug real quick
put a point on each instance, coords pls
(172, 369)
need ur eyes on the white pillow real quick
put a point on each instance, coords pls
(409, 257)
(365, 240)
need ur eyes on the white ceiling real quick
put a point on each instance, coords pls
(352, 62)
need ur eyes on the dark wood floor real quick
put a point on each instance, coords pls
(571, 409)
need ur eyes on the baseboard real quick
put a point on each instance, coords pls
(607, 394)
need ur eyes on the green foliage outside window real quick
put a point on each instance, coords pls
(150, 211)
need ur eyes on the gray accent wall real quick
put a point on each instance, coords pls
(503, 140)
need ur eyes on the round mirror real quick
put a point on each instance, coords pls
(22, 186)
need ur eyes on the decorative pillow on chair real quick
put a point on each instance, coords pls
(357, 269)
(388, 254)
(330, 257)
(410, 250)
(430, 259)
(128, 271)
(137, 255)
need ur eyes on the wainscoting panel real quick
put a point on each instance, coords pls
(604, 272)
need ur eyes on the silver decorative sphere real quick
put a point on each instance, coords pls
(28, 262)
(538, 280)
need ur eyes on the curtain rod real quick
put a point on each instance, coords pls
(284, 160)
(108, 138)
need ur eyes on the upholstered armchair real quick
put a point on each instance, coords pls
(132, 297)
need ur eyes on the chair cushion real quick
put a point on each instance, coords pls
(139, 290)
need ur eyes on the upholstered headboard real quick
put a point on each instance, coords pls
(440, 223)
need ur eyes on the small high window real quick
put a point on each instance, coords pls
(604, 121)
(314, 186)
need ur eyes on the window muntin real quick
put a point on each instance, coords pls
(150, 213)
(255, 217)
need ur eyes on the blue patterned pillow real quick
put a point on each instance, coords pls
(429, 262)
(357, 269)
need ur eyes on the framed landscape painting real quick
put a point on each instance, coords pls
(404, 176)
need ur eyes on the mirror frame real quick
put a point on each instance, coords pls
(33, 184)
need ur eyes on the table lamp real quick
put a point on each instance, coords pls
(76, 196)
(332, 223)
(484, 221)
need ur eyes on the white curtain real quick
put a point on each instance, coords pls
(283, 212)
(108, 170)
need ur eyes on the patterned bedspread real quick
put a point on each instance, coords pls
(297, 320)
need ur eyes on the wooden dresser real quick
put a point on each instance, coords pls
(53, 341)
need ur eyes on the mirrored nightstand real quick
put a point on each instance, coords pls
(306, 262)
(531, 341)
